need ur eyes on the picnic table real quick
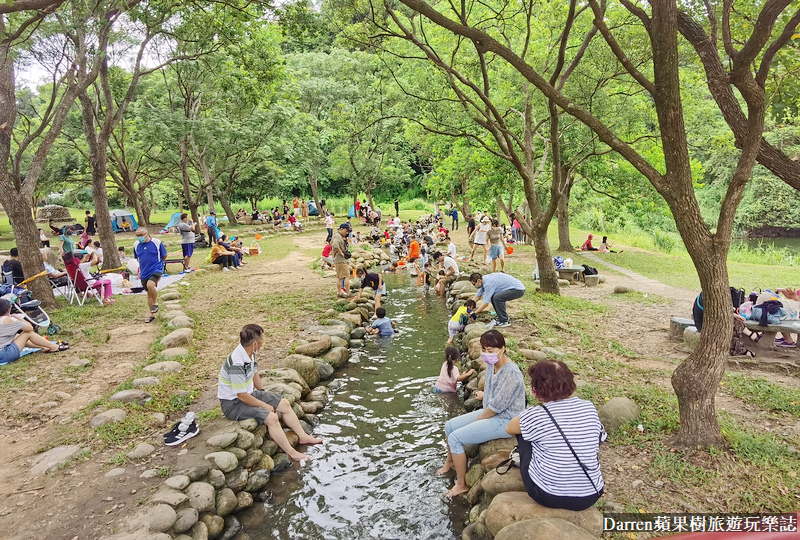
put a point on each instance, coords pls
(573, 274)
(767, 341)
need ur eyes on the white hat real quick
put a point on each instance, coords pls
(485, 219)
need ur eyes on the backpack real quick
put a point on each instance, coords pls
(590, 271)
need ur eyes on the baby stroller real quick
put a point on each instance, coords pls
(22, 303)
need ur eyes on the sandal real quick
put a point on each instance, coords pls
(750, 354)
(154, 309)
(61, 348)
(149, 319)
(757, 335)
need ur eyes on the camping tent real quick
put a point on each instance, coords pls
(121, 217)
(352, 211)
(312, 209)
(173, 222)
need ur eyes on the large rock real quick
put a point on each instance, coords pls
(257, 480)
(353, 318)
(173, 352)
(286, 376)
(226, 502)
(177, 338)
(111, 416)
(494, 483)
(172, 497)
(533, 355)
(145, 381)
(291, 394)
(304, 365)
(358, 333)
(215, 523)
(186, 519)
(139, 397)
(202, 496)
(223, 440)
(617, 411)
(513, 506)
(325, 370)
(224, 461)
(53, 458)
(181, 321)
(553, 353)
(497, 445)
(315, 348)
(170, 295)
(160, 518)
(236, 479)
(336, 341)
(338, 331)
(142, 450)
(337, 357)
(543, 528)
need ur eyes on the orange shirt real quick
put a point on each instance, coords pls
(413, 249)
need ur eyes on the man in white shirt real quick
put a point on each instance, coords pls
(450, 267)
(451, 248)
(329, 220)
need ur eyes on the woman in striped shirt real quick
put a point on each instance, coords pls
(552, 473)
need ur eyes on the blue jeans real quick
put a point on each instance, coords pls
(467, 429)
(499, 300)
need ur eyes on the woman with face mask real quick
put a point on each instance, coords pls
(66, 243)
(503, 399)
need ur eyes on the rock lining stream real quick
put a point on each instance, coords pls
(374, 477)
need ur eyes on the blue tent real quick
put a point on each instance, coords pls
(119, 217)
(312, 209)
(173, 222)
(352, 211)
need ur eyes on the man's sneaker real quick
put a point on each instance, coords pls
(225, 269)
(181, 431)
(491, 324)
(503, 324)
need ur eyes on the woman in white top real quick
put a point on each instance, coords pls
(551, 471)
(16, 334)
(479, 237)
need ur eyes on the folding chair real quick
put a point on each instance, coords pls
(60, 285)
(79, 286)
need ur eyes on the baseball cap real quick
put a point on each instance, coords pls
(346, 226)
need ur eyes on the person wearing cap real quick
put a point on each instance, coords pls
(340, 264)
(587, 246)
(211, 225)
(151, 254)
(479, 236)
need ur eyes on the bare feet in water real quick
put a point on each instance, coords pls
(310, 440)
(446, 467)
(456, 490)
(297, 456)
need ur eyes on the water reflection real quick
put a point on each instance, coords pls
(374, 477)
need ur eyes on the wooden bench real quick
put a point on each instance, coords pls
(677, 325)
(767, 341)
(174, 261)
(572, 274)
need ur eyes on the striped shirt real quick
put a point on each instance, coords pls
(504, 391)
(553, 467)
(236, 374)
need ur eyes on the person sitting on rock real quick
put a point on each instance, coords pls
(241, 394)
(503, 399)
(549, 465)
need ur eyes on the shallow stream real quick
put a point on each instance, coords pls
(375, 475)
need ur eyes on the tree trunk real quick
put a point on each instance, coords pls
(548, 278)
(312, 181)
(26, 236)
(697, 378)
(369, 199)
(226, 205)
(97, 160)
(191, 202)
(564, 243)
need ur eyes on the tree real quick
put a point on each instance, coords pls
(749, 55)
(26, 139)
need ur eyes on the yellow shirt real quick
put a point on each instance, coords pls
(459, 312)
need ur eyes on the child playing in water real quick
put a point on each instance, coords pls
(450, 377)
(460, 319)
(383, 325)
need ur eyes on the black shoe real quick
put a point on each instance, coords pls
(181, 431)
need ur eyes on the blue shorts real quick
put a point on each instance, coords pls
(9, 353)
(495, 250)
(188, 249)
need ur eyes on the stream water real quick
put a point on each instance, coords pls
(375, 475)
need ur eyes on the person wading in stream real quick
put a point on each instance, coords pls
(241, 394)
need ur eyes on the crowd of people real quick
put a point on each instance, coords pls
(547, 434)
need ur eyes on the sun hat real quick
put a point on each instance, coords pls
(485, 219)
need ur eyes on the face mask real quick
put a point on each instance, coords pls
(141, 239)
(490, 358)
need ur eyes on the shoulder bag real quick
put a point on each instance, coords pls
(585, 470)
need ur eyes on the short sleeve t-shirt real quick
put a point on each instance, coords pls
(384, 325)
(445, 382)
(151, 257)
(9, 331)
(326, 251)
(236, 375)
(187, 236)
(68, 243)
(338, 243)
(370, 280)
(450, 263)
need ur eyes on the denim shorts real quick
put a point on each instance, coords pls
(495, 250)
(9, 353)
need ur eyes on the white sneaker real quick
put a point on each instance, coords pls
(225, 269)
(491, 324)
